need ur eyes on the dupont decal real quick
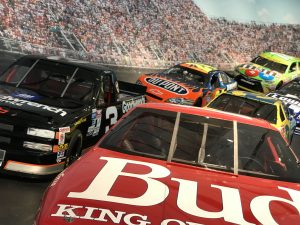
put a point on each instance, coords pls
(129, 104)
(21, 102)
(167, 85)
(156, 193)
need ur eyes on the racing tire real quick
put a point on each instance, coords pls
(75, 148)
(198, 102)
(279, 85)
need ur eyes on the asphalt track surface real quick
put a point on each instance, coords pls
(20, 197)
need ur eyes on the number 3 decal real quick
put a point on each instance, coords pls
(112, 115)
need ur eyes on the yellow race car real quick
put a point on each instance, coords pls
(258, 106)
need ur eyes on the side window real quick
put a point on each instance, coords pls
(293, 67)
(81, 86)
(282, 116)
(220, 102)
(224, 78)
(286, 110)
(215, 82)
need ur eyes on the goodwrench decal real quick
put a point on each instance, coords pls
(20, 102)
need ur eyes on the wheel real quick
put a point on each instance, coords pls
(198, 102)
(75, 148)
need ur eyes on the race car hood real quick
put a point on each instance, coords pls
(171, 83)
(29, 106)
(258, 72)
(114, 188)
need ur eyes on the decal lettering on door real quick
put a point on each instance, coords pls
(156, 192)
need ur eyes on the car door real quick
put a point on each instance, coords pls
(284, 122)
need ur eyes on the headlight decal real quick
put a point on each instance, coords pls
(41, 133)
(37, 146)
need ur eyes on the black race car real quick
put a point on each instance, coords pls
(50, 109)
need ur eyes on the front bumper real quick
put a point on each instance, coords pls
(32, 169)
(251, 85)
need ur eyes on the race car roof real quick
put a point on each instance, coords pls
(253, 96)
(84, 64)
(198, 66)
(209, 113)
(279, 57)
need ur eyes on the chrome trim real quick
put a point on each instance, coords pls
(33, 168)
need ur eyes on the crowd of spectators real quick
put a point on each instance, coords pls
(140, 32)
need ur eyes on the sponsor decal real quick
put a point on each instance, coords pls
(155, 91)
(80, 121)
(25, 96)
(94, 129)
(64, 129)
(63, 147)
(61, 138)
(156, 191)
(266, 76)
(248, 82)
(3, 111)
(284, 99)
(60, 156)
(21, 102)
(251, 73)
(167, 85)
(56, 179)
(129, 104)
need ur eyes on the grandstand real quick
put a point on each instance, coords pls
(143, 33)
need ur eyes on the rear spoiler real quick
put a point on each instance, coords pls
(131, 89)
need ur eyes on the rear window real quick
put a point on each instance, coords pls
(244, 106)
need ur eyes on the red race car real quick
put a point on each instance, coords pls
(166, 164)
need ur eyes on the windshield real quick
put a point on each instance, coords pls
(291, 88)
(203, 141)
(244, 106)
(51, 79)
(187, 75)
(281, 68)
